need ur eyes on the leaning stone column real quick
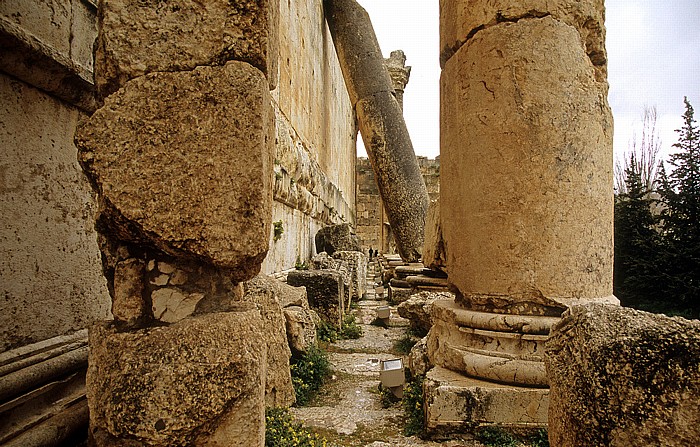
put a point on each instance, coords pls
(526, 179)
(180, 155)
(383, 128)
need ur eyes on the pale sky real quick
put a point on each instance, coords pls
(653, 59)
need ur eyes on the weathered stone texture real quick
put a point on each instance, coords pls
(461, 19)
(137, 38)
(49, 259)
(336, 238)
(183, 162)
(271, 296)
(400, 183)
(621, 377)
(325, 291)
(179, 385)
(416, 309)
(128, 298)
(434, 251)
(357, 267)
(526, 138)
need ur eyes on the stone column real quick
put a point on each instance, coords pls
(399, 73)
(180, 155)
(526, 179)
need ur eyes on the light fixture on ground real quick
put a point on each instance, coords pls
(391, 373)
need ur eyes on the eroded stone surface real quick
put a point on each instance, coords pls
(170, 386)
(128, 303)
(525, 129)
(183, 162)
(434, 255)
(336, 238)
(325, 291)
(622, 377)
(460, 20)
(136, 38)
(269, 293)
(417, 308)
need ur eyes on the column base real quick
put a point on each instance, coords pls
(456, 403)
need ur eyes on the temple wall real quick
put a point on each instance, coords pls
(316, 136)
(50, 270)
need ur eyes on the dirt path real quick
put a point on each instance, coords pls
(348, 409)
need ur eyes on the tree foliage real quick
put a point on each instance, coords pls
(657, 255)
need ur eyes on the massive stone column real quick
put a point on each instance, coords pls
(383, 128)
(180, 155)
(399, 73)
(526, 196)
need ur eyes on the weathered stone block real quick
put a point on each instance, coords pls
(454, 402)
(183, 162)
(301, 328)
(526, 133)
(337, 238)
(621, 377)
(417, 307)
(325, 291)
(128, 303)
(434, 255)
(136, 38)
(269, 295)
(357, 266)
(198, 380)
(462, 19)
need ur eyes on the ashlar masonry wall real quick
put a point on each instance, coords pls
(316, 137)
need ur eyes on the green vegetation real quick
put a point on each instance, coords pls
(326, 332)
(540, 438)
(309, 372)
(278, 230)
(281, 430)
(350, 330)
(412, 404)
(496, 437)
(299, 265)
(404, 344)
(387, 397)
(657, 236)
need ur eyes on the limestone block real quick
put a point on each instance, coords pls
(128, 303)
(323, 261)
(136, 38)
(171, 304)
(50, 266)
(526, 169)
(268, 293)
(454, 401)
(622, 377)
(195, 382)
(357, 265)
(418, 360)
(337, 238)
(325, 291)
(434, 256)
(183, 162)
(398, 295)
(301, 328)
(417, 308)
(462, 19)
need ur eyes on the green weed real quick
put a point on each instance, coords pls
(282, 430)
(309, 371)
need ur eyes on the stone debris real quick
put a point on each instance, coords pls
(336, 238)
(417, 308)
(623, 377)
(325, 290)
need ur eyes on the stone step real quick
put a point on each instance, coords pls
(456, 403)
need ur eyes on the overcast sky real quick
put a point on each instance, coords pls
(653, 59)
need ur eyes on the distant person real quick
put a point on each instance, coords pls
(371, 255)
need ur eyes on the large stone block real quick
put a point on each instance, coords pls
(434, 256)
(526, 169)
(183, 162)
(621, 377)
(325, 291)
(136, 37)
(357, 266)
(337, 238)
(272, 295)
(198, 382)
(462, 19)
(455, 403)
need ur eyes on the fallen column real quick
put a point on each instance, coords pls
(383, 128)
